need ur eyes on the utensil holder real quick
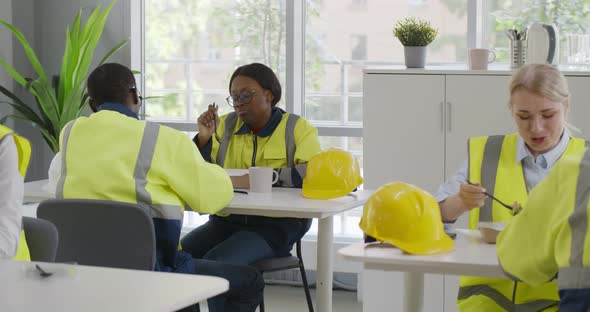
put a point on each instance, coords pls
(518, 50)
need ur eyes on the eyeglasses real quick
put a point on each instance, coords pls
(134, 89)
(244, 98)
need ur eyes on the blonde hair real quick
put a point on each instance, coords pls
(544, 80)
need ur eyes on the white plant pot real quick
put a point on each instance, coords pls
(415, 56)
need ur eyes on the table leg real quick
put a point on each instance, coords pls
(413, 291)
(324, 270)
(203, 307)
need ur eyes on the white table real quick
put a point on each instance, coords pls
(471, 256)
(282, 202)
(87, 288)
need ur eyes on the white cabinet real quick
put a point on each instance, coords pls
(579, 117)
(403, 127)
(475, 106)
(415, 129)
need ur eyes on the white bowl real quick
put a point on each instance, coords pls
(490, 230)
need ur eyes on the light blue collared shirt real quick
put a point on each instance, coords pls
(534, 169)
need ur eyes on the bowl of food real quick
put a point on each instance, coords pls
(490, 230)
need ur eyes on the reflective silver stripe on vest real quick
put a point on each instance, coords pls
(142, 166)
(144, 161)
(579, 219)
(574, 278)
(59, 192)
(290, 139)
(230, 123)
(489, 170)
(466, 292)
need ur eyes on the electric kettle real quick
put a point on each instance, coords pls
(542, 44)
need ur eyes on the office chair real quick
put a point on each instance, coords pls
(102, 233)
(42, 237)
(286, 263)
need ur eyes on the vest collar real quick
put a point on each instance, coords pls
(275, 118)
(117, 107)
(546, 160)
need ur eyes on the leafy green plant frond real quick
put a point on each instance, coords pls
(64, 100)
(414, 32)
(33, 59)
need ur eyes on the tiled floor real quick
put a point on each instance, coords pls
(292, 299)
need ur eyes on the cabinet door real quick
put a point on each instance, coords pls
(403, 139)
(475, 106)
(580, 106)
(403, 125)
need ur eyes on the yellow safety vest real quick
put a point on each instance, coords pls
(551, 235)
(492, 163)
(294, 141)
(23, 148)
(110, 156)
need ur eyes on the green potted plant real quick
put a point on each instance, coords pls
(414, 34)
(61, 100)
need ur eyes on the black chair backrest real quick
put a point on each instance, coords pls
(42, 238)
(102, 233)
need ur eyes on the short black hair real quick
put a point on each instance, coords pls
(110, 82)
(265, 77)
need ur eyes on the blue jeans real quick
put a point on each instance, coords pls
(241, 239)
(246, 287)
(574, 300)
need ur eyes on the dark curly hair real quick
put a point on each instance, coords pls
(109, 82)
(265, 77)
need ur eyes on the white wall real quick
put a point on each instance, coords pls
(5, 54)
(44, 24)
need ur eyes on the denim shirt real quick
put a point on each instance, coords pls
(117, 107)
(534, 169)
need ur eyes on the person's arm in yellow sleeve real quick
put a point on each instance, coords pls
(525, 246)
(307, 144)
(205, 187)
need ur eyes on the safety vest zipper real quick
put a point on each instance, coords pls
(254, 142)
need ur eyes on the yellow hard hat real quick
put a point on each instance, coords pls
(331, 173)
(407, 217)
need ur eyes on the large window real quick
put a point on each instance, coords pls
(192, 47)
(318, 48)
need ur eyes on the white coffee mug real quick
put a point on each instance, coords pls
(479, 58)
(262, 179)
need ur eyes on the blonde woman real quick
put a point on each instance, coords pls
(508, 167)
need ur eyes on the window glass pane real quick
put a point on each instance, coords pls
(343, 37)
(192, 48)
(351, 144)
(570, 17)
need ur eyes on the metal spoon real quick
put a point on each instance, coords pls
(42, 272)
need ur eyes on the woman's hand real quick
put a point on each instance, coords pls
(206, 124)
(471, 195)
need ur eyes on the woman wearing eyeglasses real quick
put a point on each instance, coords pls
(257, 133)
(507, 167)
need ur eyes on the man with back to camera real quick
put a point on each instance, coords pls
(111, 155)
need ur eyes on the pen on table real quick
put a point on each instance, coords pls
(492, 197)
(240, 192)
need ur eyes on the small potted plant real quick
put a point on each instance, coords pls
(414, 34)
